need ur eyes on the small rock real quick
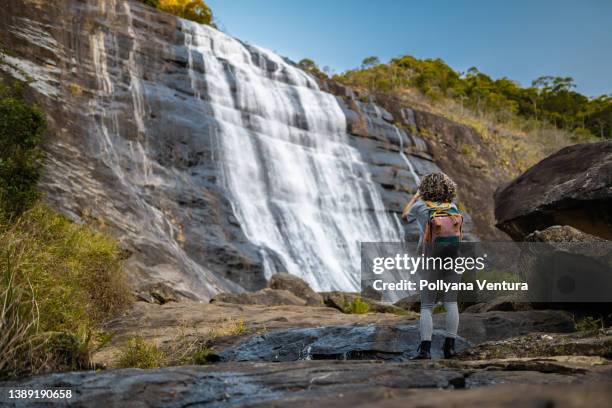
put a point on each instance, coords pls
(159, 293)
(501, 304)
(412, 303)
(340, 300)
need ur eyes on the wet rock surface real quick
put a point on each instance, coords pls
(571, 187)
(500, 396)
(337, 383)
(388, 343)
(161, 323)
(305, 356)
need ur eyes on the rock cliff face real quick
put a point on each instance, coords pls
(215, 162)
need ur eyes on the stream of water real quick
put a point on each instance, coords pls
(299, 189)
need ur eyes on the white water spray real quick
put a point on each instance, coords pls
(298, 188)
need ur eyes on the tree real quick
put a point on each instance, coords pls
(369, 62)
(552, 99)
(311, 67)
(194, 10)
(599, 117)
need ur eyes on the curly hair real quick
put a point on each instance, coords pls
(438, 187)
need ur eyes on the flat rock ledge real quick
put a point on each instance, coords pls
(337, 384)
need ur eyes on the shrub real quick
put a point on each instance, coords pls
(439, 309)
(60, 281)
(75, 273)
(21, 128)
(139, 353)
(357, 306)
(588, 324)
(230, 327)
(188, 348)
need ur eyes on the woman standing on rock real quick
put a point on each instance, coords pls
(440, 223)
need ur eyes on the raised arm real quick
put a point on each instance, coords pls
(410, 204)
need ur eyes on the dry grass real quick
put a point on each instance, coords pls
(60, 282)
(18, 324)
(140, 353)
(231, 327)
(519, 143)
(75, 273)
(189, 345)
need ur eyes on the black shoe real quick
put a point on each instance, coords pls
(424, 351)
(449, 347)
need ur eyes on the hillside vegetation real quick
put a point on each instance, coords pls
(540, 118)
(58, 280)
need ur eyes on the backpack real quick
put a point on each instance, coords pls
(445, 223)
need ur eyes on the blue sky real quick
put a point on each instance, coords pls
(519, 39)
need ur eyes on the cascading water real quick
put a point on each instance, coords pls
(211, 160)
(298, 188)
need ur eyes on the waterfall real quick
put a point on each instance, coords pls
(298, 188)
(415, 177)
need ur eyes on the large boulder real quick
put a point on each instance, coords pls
(567, 269)
(571, 187)
(297, 286)
(267, 297)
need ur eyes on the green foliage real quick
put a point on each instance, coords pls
(357, 306)
(30, 343)
(194, 10)
(58, 280)
(310, 66)
(75, 273)
(369, 62)
(588, 324)
(438, 309)
(139, 353)
(21, 128)
(549, 100)
(64, 351)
